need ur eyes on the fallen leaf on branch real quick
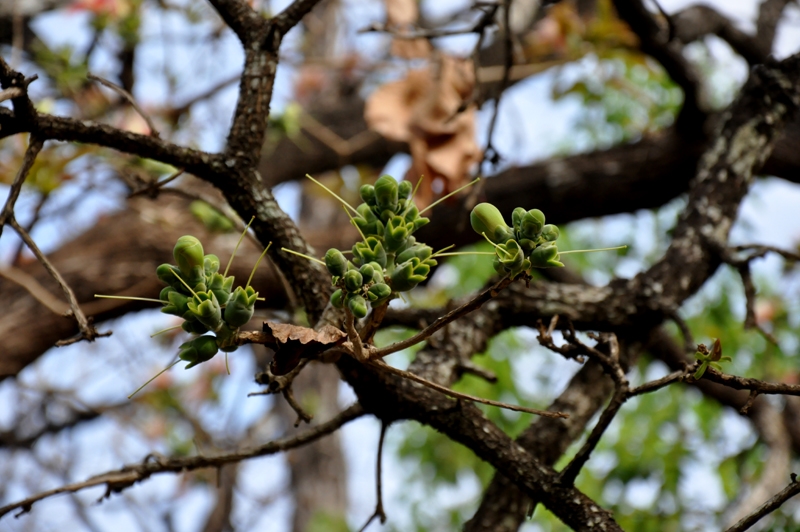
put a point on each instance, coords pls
(293, 342)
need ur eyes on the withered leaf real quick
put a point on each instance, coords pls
(293, 342)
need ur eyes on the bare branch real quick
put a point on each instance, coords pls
(458, 395)
(289, 17)
(116, 481)
(240, 17)
(768, 507)
(34, 147)
(466, 308)
(87, 330)
(129, 98)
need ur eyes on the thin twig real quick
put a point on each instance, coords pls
(129, 97)
(770, 506)
(657, 384)
(464, 309)
(34, 147)
(570, 472)
(120, 479)
(458, 395)
(302, 415)
(40, 293)
(152, 189)
(379, 513)
(87, 330)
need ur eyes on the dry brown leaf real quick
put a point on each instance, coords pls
(422, 110)
(401, 16)
(293, 342)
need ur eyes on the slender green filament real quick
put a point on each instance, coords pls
(157, 375)
(352, 221)
(332, 193)
(227, 367)
(590, 250)
(287, 250)
(241, 237)
(132, 298)
(162, 331)
(454, 253)
(257, 263)
(184, 283)
(456, 191)
(439, 253)
(419, 182)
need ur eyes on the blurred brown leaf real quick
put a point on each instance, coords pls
(423, 110)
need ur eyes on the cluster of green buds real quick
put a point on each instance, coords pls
(389, 259)
(530, 243)
(197, 292)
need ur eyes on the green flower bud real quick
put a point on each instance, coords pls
(511, 256)
(166, 274)
(546, 256)
(378, 292)
(194, 327)
(411, 214)
(210, 264)
(367, 271)
(367, 193)
(164, 294)
(420, 222)
(408, 275)
(516, 217)
(369, 251)
(486, 219)
(337, 299)
(421, 251)
(527, 245)
(178, 304)
(335, 262)
(386, 193)
(531, 224)
(221, 286)
(205, 307)
(404, 189)
(396, 233)
(357, 305)
(229, 349)
(188, 253)
(353, 281)
(199, 350)
(550, 233)
(240, 306)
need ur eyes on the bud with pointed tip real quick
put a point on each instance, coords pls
(353, 281)
(546, 256)
(531, 224)
(199, 350)
(241, 306)
(205, 307)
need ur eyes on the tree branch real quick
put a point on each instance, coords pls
(116, 481)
